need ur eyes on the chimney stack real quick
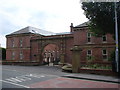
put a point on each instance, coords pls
(71, 27)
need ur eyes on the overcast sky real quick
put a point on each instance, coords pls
(50, 15)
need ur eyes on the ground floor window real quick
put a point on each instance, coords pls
(104, 54)
(21, 55)
(89, 54)
(13, 55)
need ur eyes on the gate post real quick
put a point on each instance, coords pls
(76, 59)
(62, 58)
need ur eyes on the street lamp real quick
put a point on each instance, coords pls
(116, 40)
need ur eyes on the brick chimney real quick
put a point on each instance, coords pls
(71, 27)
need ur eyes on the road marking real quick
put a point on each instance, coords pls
(18, 79)
(35, 75)
(27, 77)
(9, 70)
(24, 78)
(15, 84)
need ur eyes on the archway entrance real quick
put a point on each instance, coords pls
(51, 55)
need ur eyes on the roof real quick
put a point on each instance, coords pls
(85, 24)
(62, 33)
(33, 30)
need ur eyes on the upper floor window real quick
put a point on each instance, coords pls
(88, 37)
(104, 38)
(104, 54)
(13, 55)
(13, 43)
(21, 55)
(21, 42)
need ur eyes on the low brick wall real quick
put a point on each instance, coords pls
(98, 71)
(20, 63)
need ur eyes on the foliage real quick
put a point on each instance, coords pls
(90, 59)
(3, 51)
(112, 56)
(97, 66)
(102, 18)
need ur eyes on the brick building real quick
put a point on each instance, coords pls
(32, 46)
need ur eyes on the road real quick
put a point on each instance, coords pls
(45, 77)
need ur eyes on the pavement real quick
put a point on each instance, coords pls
(94, 77)
(113, 79)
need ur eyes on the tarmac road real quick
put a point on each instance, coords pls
(45, 77)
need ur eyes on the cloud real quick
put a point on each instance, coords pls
(2, 38)
(51, 15)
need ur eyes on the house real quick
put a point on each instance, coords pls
(32, 46)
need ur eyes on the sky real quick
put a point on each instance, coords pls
(51, 15)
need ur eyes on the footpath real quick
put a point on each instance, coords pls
(94, 77)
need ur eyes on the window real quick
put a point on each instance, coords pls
(21, 55)
(104, 54)
(21, 42)
(104, 38)
(13, 55)
(13, 43)
(88, 37)
(89, 54)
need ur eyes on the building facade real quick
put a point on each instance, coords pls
(34, 46)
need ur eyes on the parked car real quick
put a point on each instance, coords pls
(67, 67)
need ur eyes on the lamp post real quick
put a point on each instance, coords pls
(116, 40)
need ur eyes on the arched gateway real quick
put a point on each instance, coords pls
(43, 46)
(51, 54)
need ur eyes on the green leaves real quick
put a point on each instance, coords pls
(101, 16)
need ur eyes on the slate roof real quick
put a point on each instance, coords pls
(85, 24)
(33, 30)
(62, 33)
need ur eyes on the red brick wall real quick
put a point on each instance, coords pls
(80, 38)
(34, 51)
(68, 52)
(25, 49)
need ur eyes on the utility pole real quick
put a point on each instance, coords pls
(116, 40)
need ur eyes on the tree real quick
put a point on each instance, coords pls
(102, 18)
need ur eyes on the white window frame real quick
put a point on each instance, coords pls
(89, 55)
(88, 37)
(21, 42)
(13, 43)
(103, 54)
(13, 55)
(21, 55)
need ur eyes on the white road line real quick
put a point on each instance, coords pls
(9, 70)
(15, 84)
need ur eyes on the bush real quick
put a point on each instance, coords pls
(3, 53)
(112, 58)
